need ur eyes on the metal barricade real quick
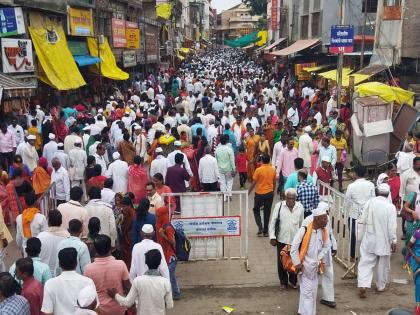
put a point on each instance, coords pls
(342, 228)
(203, 214)
(47, 201)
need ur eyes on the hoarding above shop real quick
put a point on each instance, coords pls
(341, 39)
(79, 22)
(132, 33)
(119, 39)
(11, 22)
(17, 56)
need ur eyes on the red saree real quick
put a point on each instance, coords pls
(137, 180)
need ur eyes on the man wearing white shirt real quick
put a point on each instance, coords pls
(405, 159)
(250, 119)
(61, 179)
(270, 106)
(118, 171)
(62, 156)
(107, 194)
(171, 157)
(17, 130)
(60, 293)
(99, 157)
(50, 148)
(358, 193)
(138, 264)
(29, 154)
(289, 214)
(278, 147)
(103, 211)
(379, 238)
(71, 139)
(331, 104)
(78, 163)
(211, 132)
(208, 171)
(37, 225)
(191, 102)
(293, 114)
(305, 148)
(159, 164)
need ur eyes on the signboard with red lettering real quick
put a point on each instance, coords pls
(274, 9)
(119, 40)
(17, 55)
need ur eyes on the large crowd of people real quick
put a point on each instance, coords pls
(217, 117)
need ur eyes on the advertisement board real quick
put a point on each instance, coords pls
(152, 40)
(17, 56)
(209, 226)
(119, 39)
(79, 22)
(274, 9)
(301, 74)
(129, 58)
(11, 22)
(132, 34)
(341, 39)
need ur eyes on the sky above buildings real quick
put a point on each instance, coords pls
(221, 5)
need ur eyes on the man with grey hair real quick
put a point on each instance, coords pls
(286, 219)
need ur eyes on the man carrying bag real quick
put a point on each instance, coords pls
(286, 219)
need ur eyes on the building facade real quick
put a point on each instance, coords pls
(235, 22)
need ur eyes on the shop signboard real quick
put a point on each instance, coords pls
(17, 56)
(341, 39)
(274, 9)
(79, 22)
(301, 74)
(209, 226)
(129, 58)
(132, 33)
(151, 42)
(11, 22)
(119, 39)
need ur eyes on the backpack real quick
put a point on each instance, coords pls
(182, 244)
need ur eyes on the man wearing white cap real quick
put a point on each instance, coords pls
(138, 263)
(171, 157)
(62, 156)
(118, 171)
(78, 163)
(50, 148)
(379, 238)
(140, 142)
(309, 247)
(72, 138)
(306, 148)
(159, 164)
(87, 302)
(29, 155)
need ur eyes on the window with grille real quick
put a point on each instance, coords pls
(371, 6)
(304, 24)
(316, 25)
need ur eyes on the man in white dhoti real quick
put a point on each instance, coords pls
(118, 171)
(379, 238)
(309, 247)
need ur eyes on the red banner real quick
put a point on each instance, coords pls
(274, 9)
(119, 39)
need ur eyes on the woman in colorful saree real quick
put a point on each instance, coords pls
(251, 145)
(413, 257)
(137, 179)
(41, 178)
(161, 188)
(128, 214)
(17, 189)
(4, 199)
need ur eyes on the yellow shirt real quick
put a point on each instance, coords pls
(339, 145)
(264, 177)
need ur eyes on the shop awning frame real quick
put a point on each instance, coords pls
(276, 43)
(296, 47)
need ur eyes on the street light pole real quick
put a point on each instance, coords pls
(340, 60)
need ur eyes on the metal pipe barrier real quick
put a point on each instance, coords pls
(48, 201)
(342, 228)
(216, 225)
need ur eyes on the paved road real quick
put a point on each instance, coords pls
(208, 286)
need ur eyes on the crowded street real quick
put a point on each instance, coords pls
(185, 157)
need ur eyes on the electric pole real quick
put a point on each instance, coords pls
(362, 52)
(340, 60)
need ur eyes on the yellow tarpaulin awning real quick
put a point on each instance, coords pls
(185, 50)
(332, 74)
(314, 69)
(386, 92)
(358, 78)
(180, 57)
(109, 66)
(57, 66)
(164, 10)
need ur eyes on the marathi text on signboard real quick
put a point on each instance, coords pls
(341, 38)
(152, 49)
(80, 22)
(11, 22)
(129, 58)
(274, 9)
(209, 226)
(17, 55)
(119, 39)
(132, 34)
